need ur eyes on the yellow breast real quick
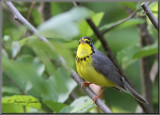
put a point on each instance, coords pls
(87, 72)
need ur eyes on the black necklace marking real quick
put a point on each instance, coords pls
(83, 59)
(92, 49)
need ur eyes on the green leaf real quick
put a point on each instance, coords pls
(155, 91)
(64, 25)
(11, 90)
(129, 23)
(62, 85)
(128, 55)
(54, 106)
(146, 51)
(23, 41)
(71, 44)
(53, 51)
(36, 17)
(124, 56)
(66, 109)
(85, 29)
(25, 76)
(56, 88)
(34, 110)
(16, 34)
(154, 7)
(97, 44)
(25, 100)
(65, 52)
(131, 5)
(35, 61)
(59, 81)
(46, 53)
(6, 38)
(82, 105)
(12, 108)
(15, 48)
(55, 8)
(29, 39)
(4, 53)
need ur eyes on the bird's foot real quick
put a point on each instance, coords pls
(95, 99)
(85, 84)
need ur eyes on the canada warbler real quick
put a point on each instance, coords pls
(94, 67)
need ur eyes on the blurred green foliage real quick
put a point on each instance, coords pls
(42, 70)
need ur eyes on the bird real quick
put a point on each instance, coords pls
(96, 68)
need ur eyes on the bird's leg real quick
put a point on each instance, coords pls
(85, 84)
(96, 97)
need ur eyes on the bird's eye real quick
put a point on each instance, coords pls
(88, 42)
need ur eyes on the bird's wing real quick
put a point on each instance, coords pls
(105, 66)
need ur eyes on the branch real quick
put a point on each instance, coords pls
(29, 15)
(21, 90)
(90, 93)
(30, 10)
(75, 76)
(145, 69)
(120, 22)
(10, 78)
(45, 10)
(154, 71)
(150, 15)
(21, 19)
(132, 14)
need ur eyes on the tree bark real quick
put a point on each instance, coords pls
(145, 39)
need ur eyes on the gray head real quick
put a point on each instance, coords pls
(88, 41)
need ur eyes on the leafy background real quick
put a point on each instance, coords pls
(40, 72)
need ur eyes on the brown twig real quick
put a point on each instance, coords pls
(154, 71)
(10, 78)
(29, 15)
(21, 19)
(150, 15)
(30, 10)
(145, 62)
(45, 10)
(21, 90)
(120, 22)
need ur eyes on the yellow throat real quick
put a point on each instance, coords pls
(84, 50)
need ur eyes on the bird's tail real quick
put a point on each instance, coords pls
(133, 92)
